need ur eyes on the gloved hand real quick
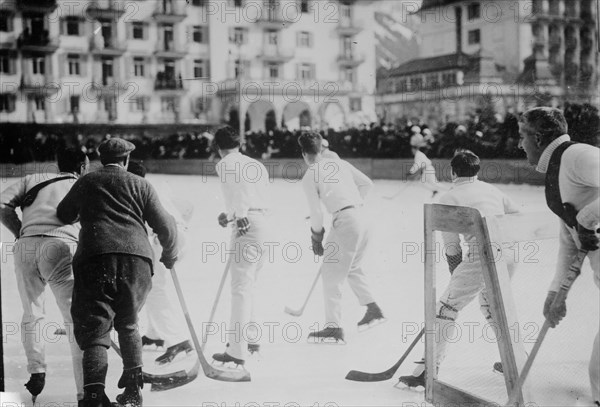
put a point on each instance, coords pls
(223, 221)
(588, 238)
(453, 261)
(317, 241)
(243, 224)
(554, 313)
(169, 262)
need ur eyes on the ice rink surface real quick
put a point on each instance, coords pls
(290, 371)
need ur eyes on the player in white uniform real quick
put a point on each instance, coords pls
(423, 164)
(341, 188)
(466, 281)
(166, 324)
(244, 182)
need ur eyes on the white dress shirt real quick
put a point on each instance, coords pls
(244, 182)
(336, 183)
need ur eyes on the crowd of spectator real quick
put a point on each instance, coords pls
(487, 134)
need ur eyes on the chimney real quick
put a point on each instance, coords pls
(458, 11)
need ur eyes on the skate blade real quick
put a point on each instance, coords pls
(372, 324)
(229, 366)
(177, 358)
(326, 341)
(403, 386)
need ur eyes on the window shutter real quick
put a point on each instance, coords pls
(310, 40)
(298, 36)
(231, 34)
(129, 30)
(189, 34)
(130, 67)
(313, 71)
(62, 29)
(146, 29)
(205, 34)
(83, 65)
(207, 67)
(298, 72)
(62, 66)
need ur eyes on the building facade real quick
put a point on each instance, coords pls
(281, 63)
(504, 55)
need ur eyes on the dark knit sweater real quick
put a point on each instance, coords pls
(113, 206)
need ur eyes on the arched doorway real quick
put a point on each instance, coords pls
(262, 116)
(296, 115)
(332, 116)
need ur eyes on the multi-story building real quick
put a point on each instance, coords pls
(507, 55)
(284, 62)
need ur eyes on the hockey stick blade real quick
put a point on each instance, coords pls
(174, 381)
(359, 376)
(293, 312)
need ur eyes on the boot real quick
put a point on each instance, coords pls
(226, 357)
(36, 384)
(498, 368)
(413, 381)
(147, 342)
(173, 351)
(372, 317)
(132, 380)
(252, 347)
(329, 334)
(94, 396)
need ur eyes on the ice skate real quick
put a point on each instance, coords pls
(412, 381)
(159, 343)
(132, 380)
(227, 358)
(36, 384)
(173, 351)
(328, 335)
(252, 348)
(373, 317)
(94, 396)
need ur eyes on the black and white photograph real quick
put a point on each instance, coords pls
(299, 203)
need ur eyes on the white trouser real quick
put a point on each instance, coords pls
(247, 257)
(165, 318)
(344, 251)
(466, 283)
(39, 261)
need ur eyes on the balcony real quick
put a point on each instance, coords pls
(170, 12)
(350, 59)
(108, 83)
(106, 47)
(273, 19)
(169, 50)
(349, 26)
(38, 6)
(105, 9)
(275, 54)
(165, 83)
(38, 84)
(39, 43)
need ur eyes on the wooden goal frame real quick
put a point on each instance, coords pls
(492, 234)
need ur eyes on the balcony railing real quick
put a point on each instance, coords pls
(351, 58)
(273, 18)
(166, 83)
(349, 26)
(275, 54)
(38, 83)
(38, 6)
(105, 9)
(169, 11)
(37, 42)
(169, 50)
(107, 46)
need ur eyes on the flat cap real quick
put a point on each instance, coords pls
(115, 147)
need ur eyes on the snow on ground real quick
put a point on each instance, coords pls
(293, 372)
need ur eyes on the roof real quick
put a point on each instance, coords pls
(434, 64)
(427, 4)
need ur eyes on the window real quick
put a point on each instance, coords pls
(448, 79)
(39, 102)
(304, 39)
(199, 3)
(273, 70)
(348, 75)
(139, 104)
(74, 102)
(239, 35)
(473, 11)
(6, 22)
(137, 31)
(72, 24)
(345, 11)
(272, 37)
(168, 104)
(237, 3)
(199, 68)
(7, 102)
(74, 64)
(138, 66)
(355, 104)
(201, 105)
(5, 64)
(306, 71)
(38, 65)
(304, 6)
(198, 34)
(109, 105)
(474, 37)
(241, 68)
(347, 46)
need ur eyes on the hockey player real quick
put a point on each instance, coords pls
(423, 164)
(466, 281)
(342, 189)
(572, 190)
(43, 256)
(244, 182)
(165, 320)
(113, 267)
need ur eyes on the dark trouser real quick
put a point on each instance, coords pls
(109, 289)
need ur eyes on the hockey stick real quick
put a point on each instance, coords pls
(297, 313)
(215, 303)
(210, 371)
(358, 376)
(573, 273)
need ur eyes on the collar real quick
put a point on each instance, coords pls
(545, 157)
(465, 180)
(66, 174)
(113, 165)
(231, 156)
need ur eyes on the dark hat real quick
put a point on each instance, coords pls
(115, 147)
